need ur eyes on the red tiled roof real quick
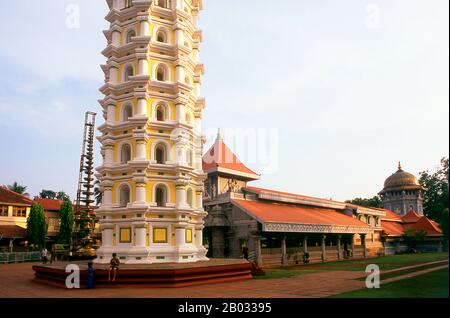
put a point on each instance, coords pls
(12, 231)
(411, 217)
(220, 156)
(395, 228)
(280, 213)
(424, 223)
(11, 197)
(49, 204)
(391, 216)
(392, 228)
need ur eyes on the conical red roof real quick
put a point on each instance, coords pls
(220, 158)
(424, 223)
(411, 217)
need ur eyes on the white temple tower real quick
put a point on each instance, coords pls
(151, 177)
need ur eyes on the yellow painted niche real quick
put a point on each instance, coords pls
(151, 186)
(151, 109)
(118, 146)
(155, 26)
(119, 108)
(115, 191)
(152, 63)
(122, 67)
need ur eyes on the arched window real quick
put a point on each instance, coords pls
(124, 195)
(127, 112)
(125, 154)
(161, 74)
(161, 37)
(129, 72)
(160, 113)
(161, 196)
(160, 154)
(130, 34)
(190, 198)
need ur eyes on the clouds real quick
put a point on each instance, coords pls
(348, 99)
(346, 96)
(40, 41)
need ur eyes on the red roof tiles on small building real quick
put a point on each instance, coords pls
(49, 204)
(11, 197)
(411, 221)
(391, 216)
(411, 217)
(392, 228)
(425, 224)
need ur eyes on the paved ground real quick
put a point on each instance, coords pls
(16, 281)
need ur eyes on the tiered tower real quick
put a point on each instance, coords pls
(151, 177)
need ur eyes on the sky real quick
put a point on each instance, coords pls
(323, 98)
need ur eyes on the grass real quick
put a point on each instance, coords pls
(402, 272)
(385, 263)
(430, 285)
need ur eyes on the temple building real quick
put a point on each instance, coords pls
(151, 177)
(402, 193)
(278, 228)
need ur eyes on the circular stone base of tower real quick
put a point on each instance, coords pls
(150, 275)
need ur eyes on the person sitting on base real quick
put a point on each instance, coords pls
(113, 266)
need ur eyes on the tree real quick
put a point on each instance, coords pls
(61, 195)
(98, 193)
(436, 196)
(67, 220)
(15, 187)
(37, 225)
(413, 238)
(47, 194)
(374, 202)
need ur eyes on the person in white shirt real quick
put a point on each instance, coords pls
(44, 255)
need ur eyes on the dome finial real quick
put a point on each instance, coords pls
(400, 165)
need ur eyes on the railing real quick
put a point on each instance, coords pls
(19, 257)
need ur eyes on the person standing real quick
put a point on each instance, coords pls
(44, 255)
(90, 276)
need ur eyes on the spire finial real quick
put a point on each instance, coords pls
(400, 165)
(219, 136)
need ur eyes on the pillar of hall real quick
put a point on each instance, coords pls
(364, 245)
(284, 260)
(339, 247)
(324, 249)
(353, 246)
(258, 251)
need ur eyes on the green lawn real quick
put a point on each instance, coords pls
(430, 285)
(385, 263)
